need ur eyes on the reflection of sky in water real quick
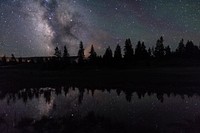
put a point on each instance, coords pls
(147, 110)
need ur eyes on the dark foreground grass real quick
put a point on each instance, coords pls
(163, 77)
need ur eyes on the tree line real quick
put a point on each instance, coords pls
(125, 56)
(139, 54)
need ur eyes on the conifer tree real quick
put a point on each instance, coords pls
(81, 55)
(128, 51)
(65, 53)
(57, 52)
(93, 54)
(118, 53)
(159, 49)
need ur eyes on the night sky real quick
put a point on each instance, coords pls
(36, 27)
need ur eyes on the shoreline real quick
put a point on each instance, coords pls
(127, 78)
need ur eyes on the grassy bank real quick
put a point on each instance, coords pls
(163, 77)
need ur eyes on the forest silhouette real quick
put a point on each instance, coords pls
(186, 54)
(90, 74)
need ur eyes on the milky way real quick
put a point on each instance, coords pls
(36, 27)
(39, 26)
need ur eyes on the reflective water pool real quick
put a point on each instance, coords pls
(90, 110)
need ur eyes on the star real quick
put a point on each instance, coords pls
(51, 23)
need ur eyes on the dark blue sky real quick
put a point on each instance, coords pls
(36, 27)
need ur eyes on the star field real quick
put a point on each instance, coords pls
(36, 27)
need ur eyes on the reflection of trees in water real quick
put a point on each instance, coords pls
(3, 124)
(29, 94)
(187, 126)
(90, 123)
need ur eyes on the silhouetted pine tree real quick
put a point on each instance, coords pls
(57, 52)
(168, 52)
(140, 51)
(159, 49)
(65, 53)
(149, 52)
(107, 57)
(65, 56)
(118, 54)
(93, 55)
(191, 50)
(81, 55)
(128, 51)
(13, 59)
(99, 60)
(180, 51)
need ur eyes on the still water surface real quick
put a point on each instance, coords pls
(163, 113)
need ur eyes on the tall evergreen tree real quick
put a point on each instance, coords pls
(144, 51)
(66, 59)
(191, 50)
(140, 51)
(57, 52)
(128, 51)
(65, 53)
(108, 56)
(159, 49)
(168, 51)
(81, 55)
(118, 53)
(93, 54)
(108, 53)
(13, 59)
(149, 52)
(180, 51)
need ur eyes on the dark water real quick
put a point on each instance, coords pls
(82, 110)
